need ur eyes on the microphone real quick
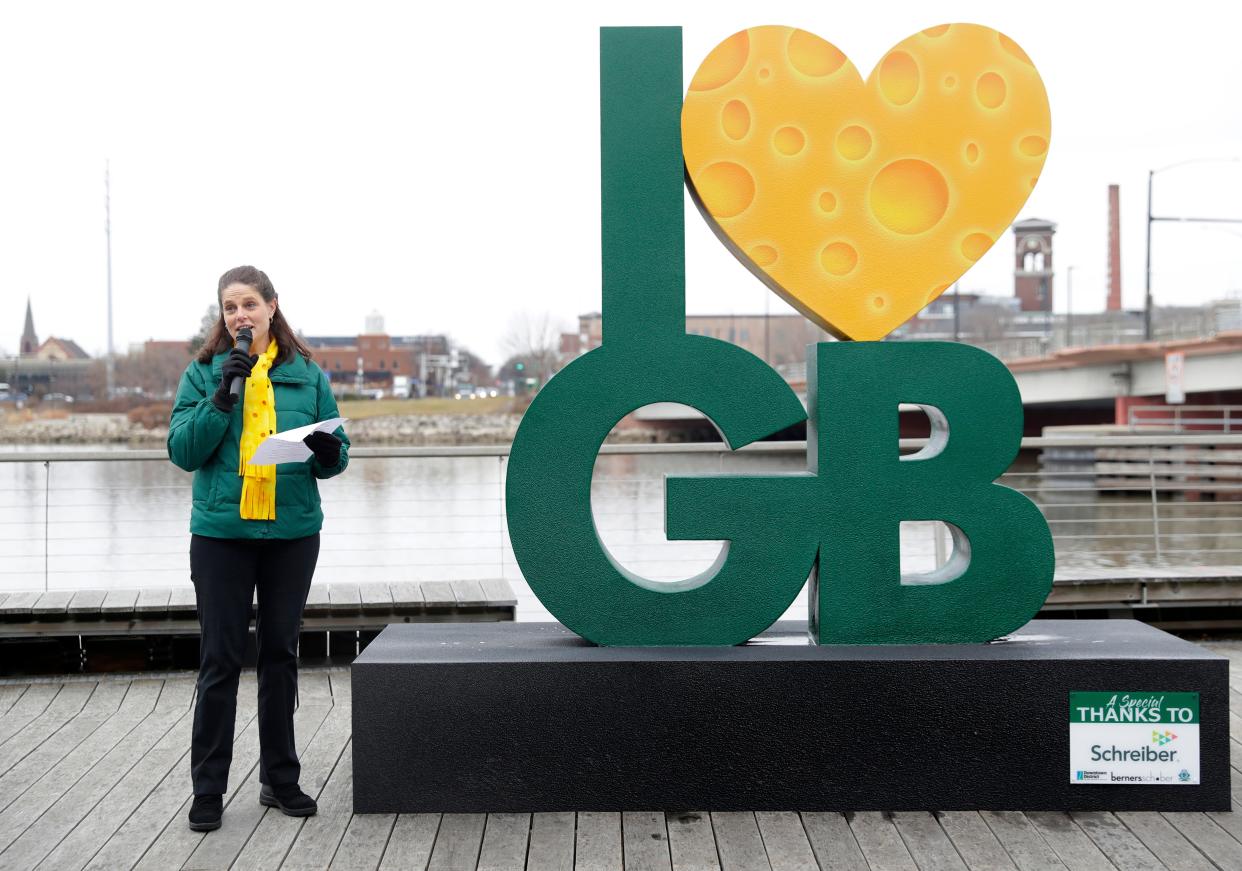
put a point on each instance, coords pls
(243, 343)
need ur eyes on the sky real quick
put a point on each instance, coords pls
(439, 163)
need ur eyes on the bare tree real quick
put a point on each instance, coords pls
(204, 328)
(534, 339)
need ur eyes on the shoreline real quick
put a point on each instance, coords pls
(405, 430)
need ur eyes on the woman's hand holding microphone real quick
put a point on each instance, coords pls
(236, 365)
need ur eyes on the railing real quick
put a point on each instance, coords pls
(1186, 418)
(90, 518)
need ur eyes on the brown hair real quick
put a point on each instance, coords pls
(219, 340)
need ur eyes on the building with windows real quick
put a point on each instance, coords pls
(414, 366)
(776, 339)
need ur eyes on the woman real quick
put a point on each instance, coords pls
(252, 528)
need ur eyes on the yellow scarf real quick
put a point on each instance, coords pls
(258, 498)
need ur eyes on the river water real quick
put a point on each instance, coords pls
(124, 523)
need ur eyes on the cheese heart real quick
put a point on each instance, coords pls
(860, 203)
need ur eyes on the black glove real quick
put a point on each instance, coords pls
(238, 362)
(326, 447)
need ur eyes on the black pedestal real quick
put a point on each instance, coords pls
(528, 717)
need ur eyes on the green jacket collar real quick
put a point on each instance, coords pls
(294, 371)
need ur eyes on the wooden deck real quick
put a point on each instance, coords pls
(94, 773)
(171, 610)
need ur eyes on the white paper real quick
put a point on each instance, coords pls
(288, 447)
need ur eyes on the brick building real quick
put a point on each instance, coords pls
(776, 339)
(425, 365)
(1032, 275)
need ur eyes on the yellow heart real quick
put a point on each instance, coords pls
(860, 203)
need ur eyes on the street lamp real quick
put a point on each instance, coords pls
(1185, 220)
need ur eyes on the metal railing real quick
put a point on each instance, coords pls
(1186, 418)
(90, 518)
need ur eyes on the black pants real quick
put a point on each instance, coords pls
(226, 573)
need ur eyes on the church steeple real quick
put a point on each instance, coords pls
(30, 342)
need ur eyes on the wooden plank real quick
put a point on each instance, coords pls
(182, 600)
(47, 790)
(438, 594)
(18, 606)
(597, 842)
(317, 599)
(1165, 842)
(221, 849)
(786, 841)
(342, 689)
(1213, 841)
(409, 845)
(314, 687)
(376, 598)
(67, 705)
(89, 835)
(880, 841)
(161, 815)
(646, 841)
(1231, 821)
(738, 841)
(691, 842)
(363, 845)
(152, 601)
(551, 842)
(53, 603)
(101, 705)
(974, 841)
(406, 595)
(9, 694)
(1117, 842)
(344, 599)
(458, 842)
(504, 842)
(276, 832)
(1021, 841)
(59, 820)
(176, 842)
(31, 704)
(834, 844)
(468, 592)
(498, 591)
(119, 602)
(927, 843)
(86, 603)
(316, 844)
(3, 597)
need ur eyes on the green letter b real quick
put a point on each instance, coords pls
(1002, 567)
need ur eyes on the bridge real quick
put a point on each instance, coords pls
(1085, 385)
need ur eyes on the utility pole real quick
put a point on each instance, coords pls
(1147, 304)
(1147, 293)
(767, 296)
(111, 361)
(1069, 305)
(957, 312)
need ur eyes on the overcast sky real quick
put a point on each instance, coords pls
(439, 162)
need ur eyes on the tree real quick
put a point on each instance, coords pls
(204, 328)
(534, 339)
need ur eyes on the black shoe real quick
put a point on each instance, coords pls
(205, 813)
(289, 798)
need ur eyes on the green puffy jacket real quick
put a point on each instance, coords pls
(204, 440)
